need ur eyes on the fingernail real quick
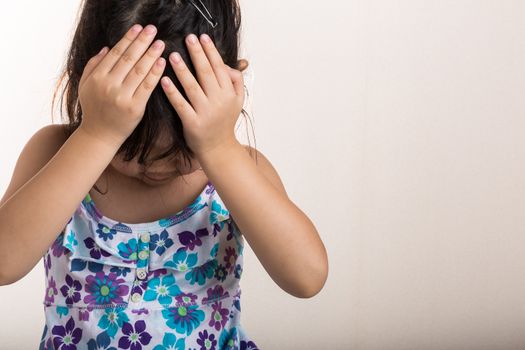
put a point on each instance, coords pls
(192, 38)
(136, 28)
(101, 51)
(206, 38)
(150, 29)
(175, 57)
(165, 82)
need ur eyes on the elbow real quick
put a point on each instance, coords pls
(6, 278)
(315, 282)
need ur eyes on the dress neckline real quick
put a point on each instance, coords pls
(151, 226)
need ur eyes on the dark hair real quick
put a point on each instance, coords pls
(104, 23)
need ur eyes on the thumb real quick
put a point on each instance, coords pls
(92, 64)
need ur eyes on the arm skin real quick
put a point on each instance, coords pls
(28, 223)
(284, 239)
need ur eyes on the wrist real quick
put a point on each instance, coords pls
(218, 152)
(111, 144)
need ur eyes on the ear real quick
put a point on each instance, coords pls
(242, 64)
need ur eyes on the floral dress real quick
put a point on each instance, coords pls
(167, 284)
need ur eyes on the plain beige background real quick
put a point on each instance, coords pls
(397, 126)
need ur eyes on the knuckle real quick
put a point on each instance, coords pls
(140, 70)
(116, 51)
(193, 88)
(120, 102)
(207, 70)
(179, 104)
(126, 57)
(148, 85)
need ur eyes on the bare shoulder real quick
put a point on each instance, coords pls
(266, 167)
(36, 153)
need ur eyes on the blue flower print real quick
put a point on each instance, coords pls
(128, 250)
(165, 289)
(238, 271)
(200, 273)
(120, 270)
(101, 343)
(71, 241)
(214, 250)
(229, 340)
(221, 272)
(159, 243)
(218, 212)
(170, 342)
(184, 319)
(105, 232)
(112, 320)
(181, 261)
(218, 217)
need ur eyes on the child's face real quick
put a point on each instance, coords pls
(160, 172)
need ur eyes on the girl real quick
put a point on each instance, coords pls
(154, 260)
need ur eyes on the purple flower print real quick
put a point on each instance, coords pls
(66, 338)
(186, 298)
(206, 340)
(57, 246)
(230, 258)
(104, 289)
(134, 337)
(214, 294)
(140, 311)
(83, 315)
(190, 240)
(94, 250)
(71, 290)
(47, 263)
(248, 345)
(219, 316)
(157, 273)
(51, 290)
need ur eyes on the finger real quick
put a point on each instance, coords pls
(183, 108)
(189, 83)
(144, 90)
(133, 53)
(237, 81)
(91, 64)
(118, 49)
(205, 73)
(143, 67)
(220, 69)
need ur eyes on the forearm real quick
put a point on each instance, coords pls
(281, 235)
(32, 218)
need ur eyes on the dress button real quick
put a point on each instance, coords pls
(143, 254)
(145, 237)
(141, 273)
(136, 297)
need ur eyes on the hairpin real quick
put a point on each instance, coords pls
(210, 20)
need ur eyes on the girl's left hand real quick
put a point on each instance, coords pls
(216, 98)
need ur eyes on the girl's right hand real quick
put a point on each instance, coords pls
(114, 87)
